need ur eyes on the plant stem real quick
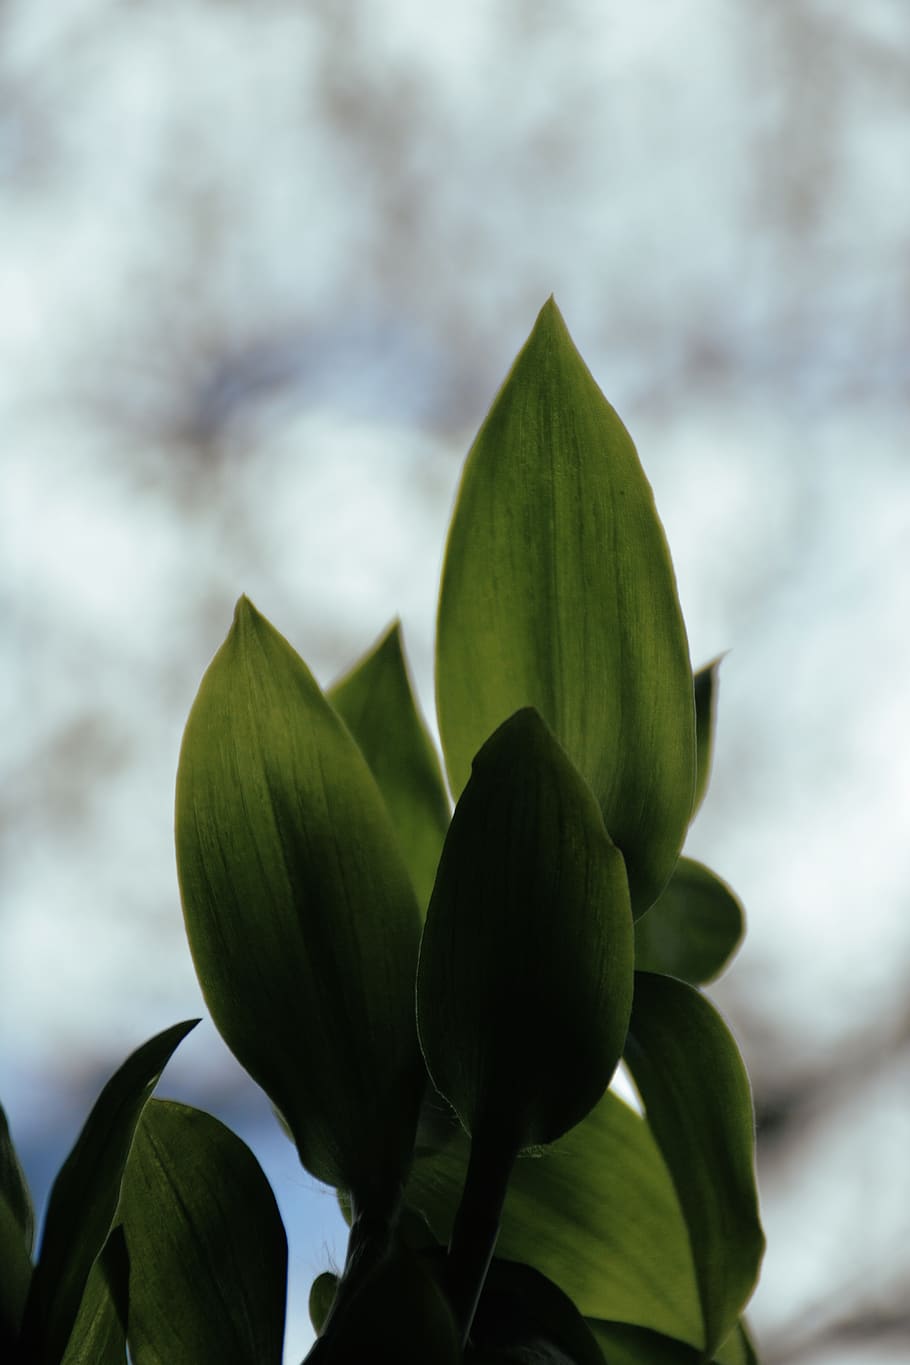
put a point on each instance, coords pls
(476, 1227)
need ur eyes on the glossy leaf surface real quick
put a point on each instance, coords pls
(84, 1198)
(207, 1249)
(706, 680)
(596, 1213)
(696, 1094)
(296, 899)
(692, 929)
(558, 592)
(525, 973)
(376, 701)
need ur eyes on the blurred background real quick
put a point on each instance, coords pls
(263, 265)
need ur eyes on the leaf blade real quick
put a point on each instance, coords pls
(558, 592)
(696, 1093)
(198, 1212)
(694, 927)
(376, 701)
(84, 1198)
(295, 898)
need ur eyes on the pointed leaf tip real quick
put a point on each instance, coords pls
(558, 592)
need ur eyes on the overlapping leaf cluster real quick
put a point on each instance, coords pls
(437, 999)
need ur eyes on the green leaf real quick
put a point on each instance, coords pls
(84, 1198)
(523, 1316)
(399, 1314)
(14, 1186)
(98, 1336)
(14, 1281)
(376, 702)
(705, 714)
(525, 974)
(207, 1250)
(299, 911)
(696, 1094)
(558, 592)
(623, 1344)
(596, 1213)
(322, 1296)
(692, 929)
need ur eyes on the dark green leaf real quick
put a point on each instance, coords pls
(525, 972)
(376, 702)
(84, 1198)
(705, 713)
(692, 929)
(596, 1213)
(623, 1344)
(13, 1185)
(523, 1316)
(207, 1250)
(699, 1106)
(558, 592)
(399, 1315)
(14, 1280)
(299, 910)
(98, 1337)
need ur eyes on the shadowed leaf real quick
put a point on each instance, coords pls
(692, 1081)
(525, 973)
(623, 1344)
(84, 1198)
(98, 1336)
(207, 1250)
(706, 680)
(692, 929)
(558, 592)
(596, 1213)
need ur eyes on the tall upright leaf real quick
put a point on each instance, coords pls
(84, 1198)
(299, 911)
(207, 1249)
(696, 1094)
(14, 1186)
(17, 1231)
(376, 702)
(558, 592)
(99, 1333)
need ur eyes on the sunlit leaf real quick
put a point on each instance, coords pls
(525, 974)
(376, 701)
(706, 680)
(596, 1213)
(558, 592)
(299, 910)
(207, 1249)
(692, 929)
(694, 1086)
(84, 1198)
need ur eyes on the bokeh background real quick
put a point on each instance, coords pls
(263, 264)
